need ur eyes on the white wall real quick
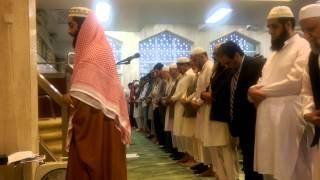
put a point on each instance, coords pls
(200, 38)
(130, 46)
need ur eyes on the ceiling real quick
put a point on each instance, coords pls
(133, 15)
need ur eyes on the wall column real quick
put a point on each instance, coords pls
(18, 84)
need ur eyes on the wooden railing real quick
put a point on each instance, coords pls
(55, 94)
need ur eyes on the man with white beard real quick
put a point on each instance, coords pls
(281, 147)
(310, 24)
(199, 58)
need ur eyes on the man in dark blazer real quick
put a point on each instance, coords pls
(245, 73)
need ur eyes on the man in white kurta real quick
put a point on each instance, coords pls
(184, 83)
(168, 127)
(189, 120)
(214, 135)
(168, 122)
(200, 59)
(280, 128)
(310, 22)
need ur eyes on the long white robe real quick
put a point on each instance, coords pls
(211, 133)
(188, 123)
(188, 131)
(215, 133)
(182, 87)
(213, 137)
(202, 84)
(280, 127)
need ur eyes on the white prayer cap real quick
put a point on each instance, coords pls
(79, 11)
(198, 50)
(181, 60)
(173, 66)
(280, 12)
(165, 68)
(309, 11)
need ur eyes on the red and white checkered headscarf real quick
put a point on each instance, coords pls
(95, 75)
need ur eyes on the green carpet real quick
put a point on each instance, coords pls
(153, 163)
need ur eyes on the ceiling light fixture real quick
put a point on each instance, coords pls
(103, 11)
(218, 15)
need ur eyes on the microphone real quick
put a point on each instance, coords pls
(128, 59)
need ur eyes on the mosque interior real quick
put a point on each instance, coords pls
(160, 31)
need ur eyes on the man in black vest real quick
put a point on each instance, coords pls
(245, 73)
(310, 24)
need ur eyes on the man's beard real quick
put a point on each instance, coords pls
(75, 38)
(277, 44)
(315, 46)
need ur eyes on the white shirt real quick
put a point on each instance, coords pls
(186, 80)
(279, 117)
(280, 75)
(203, 80)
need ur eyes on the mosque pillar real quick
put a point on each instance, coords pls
(18, 84)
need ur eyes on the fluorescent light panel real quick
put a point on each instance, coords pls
(218, 15)
(269, 0)
(103, 11)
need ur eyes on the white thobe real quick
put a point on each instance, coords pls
(184, 83)
(143, 94)
(188, 123)
(215, 135)
(211, 133)
(202, 115)
(188, 131)
(202, 84)
(280, 127)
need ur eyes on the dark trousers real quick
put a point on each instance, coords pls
(158, 125)
(132, 120)
(162, 122)
(247, 148)
(146, 121)
(168, 140)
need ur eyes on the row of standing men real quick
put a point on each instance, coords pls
(205, 110)
(187, 105)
